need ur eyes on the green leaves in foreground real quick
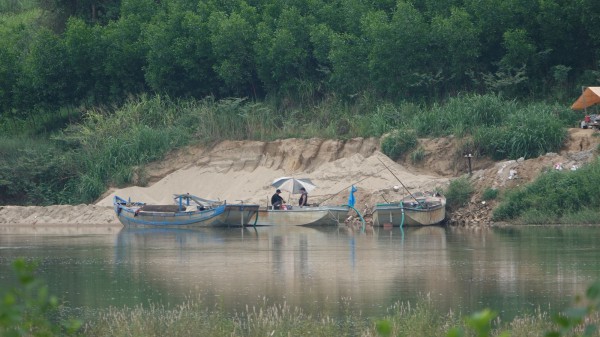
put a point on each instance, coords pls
(384, 327)
(480, 322)
(29, 309)
(574, 318)
(580, 320)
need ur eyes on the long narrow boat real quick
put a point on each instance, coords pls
(233, 215)
(420, 209)
(188, 211)
(303, 216)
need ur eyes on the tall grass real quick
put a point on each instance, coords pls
(420, 319)
(461, 114)
(528, 132)
(32, 171)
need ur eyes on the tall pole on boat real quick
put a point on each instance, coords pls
(382, 163)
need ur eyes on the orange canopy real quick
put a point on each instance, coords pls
(589, 97)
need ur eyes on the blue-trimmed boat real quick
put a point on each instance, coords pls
(419, 209)
(188, 211)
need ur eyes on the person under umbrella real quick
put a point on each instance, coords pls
(303, 197)
(277, 200)
(293, 185)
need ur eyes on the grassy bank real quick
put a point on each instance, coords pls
(77, 163)
(404, 319)
(191, 319)
(555, 197)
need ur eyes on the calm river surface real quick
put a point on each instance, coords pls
(321, 270)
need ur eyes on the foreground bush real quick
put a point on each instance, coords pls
(29, 309)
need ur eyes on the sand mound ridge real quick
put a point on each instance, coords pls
(242, 171)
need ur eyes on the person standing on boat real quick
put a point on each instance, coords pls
(303, 197)
(277, 200)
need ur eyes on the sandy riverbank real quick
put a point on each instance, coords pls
(242, 171)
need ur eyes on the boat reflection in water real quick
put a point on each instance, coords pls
(323, 270)
(309, 267)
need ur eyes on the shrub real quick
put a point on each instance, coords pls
(511, 207)
(459, 193)
(398, 142)
(489, 194)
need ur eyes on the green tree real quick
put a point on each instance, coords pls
(91, 11)
(13, 36)
(458, 47)
(350, 70)
(84, 58)
(519, 47)
(44, 81)
(231, 39)
(180, 58)
(398, 49)
(284, 52)
(125, 51)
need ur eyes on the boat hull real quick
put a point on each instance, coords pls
(303, 216)
(189, 212)
(239, 215)
(426, 212)
(130, 217)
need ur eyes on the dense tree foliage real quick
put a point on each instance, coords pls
(99, 52)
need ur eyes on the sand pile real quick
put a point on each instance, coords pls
(244, 173)
(80, 215)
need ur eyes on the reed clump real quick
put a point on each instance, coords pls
(421, 319)
(193, 319)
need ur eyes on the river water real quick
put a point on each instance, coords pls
(513, 270)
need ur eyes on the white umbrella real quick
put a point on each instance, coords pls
(293, 185)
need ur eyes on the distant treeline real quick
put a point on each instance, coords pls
(100, 52)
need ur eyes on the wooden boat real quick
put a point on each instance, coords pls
(420, 209)
(302, 216)
(188, 211)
